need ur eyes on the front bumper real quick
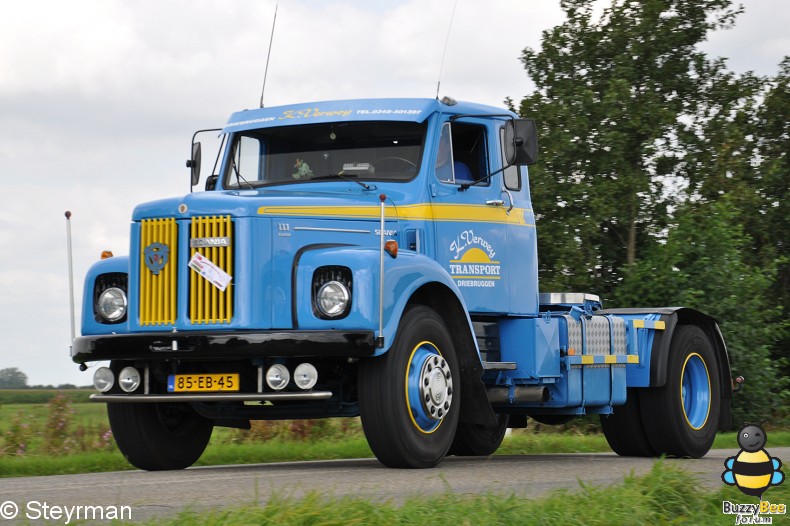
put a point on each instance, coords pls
(202, 345)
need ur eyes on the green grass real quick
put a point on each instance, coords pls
(666, 495)
(42, 396)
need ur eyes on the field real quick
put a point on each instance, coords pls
(48, 433)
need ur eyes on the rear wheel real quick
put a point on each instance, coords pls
(159, 436)
(476, 440)
(409, 398)
(681, 418)
(624, 431)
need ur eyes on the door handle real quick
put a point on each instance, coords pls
(495, 202)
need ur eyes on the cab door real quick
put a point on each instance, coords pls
(521, 235)
(470, 220)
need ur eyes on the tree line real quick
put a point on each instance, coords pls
(663, 176)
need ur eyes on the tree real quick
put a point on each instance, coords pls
(707, 269)
(12, 378)
(610, 101)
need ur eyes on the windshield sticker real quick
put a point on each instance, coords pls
(473, 264)
(206, 268)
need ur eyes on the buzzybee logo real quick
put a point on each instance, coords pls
(752, 470)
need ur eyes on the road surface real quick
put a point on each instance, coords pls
(155, 494)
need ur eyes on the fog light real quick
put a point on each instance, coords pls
(103, 379)
(305, 376)
(129, 379)
(277, 377)
(332, 299)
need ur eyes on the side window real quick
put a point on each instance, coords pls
(444, 157)
(511, 175)
(462, 156)
(247, 157)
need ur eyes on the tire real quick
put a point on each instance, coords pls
(409, 398)
(159, 436)
(624, 431)
(473, 440)
(680, 419)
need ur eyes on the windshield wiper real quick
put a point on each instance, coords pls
(346, 178)
(239, 177)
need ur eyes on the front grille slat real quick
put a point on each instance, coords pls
(208, 304)
(158, 285)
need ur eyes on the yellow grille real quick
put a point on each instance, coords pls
(158, 285)
(208, 304)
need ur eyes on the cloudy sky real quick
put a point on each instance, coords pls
(99, 99)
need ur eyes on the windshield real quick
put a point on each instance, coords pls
(372, 151)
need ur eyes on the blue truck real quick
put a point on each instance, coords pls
(377, 258)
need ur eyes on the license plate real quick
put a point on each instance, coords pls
(202, 383)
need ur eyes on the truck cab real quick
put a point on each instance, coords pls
(377, 258)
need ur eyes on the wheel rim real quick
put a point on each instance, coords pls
(429, 387)
(695, 392)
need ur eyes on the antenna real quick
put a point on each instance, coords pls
(269, 53)
(444, 53)
(71, 274)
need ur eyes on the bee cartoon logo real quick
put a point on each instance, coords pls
(752, 470)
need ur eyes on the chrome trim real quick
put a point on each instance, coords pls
(320, 229)
(566, 298)
(212, 397)
(499, 366)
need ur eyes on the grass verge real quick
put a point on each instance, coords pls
(666, 495)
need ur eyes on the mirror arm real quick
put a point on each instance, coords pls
(466, 186)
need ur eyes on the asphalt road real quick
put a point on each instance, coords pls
(156, 494)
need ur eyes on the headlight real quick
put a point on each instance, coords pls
(332, 299)
(332, 292)
(111, 304)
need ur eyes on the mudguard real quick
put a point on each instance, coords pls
(410, 277)
(403, 276)
(659, 350)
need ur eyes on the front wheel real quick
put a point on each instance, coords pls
(410, 397)
(477, 440)
(159, 436)
(681, 418)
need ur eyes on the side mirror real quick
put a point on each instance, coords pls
(521, 142)
(194, 163)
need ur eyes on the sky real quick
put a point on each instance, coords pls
(99, 100)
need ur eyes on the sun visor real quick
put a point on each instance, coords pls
(410, 110)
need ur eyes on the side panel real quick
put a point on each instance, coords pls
(89, 324)
(534, 345)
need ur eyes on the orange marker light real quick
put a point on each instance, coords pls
(106, 254)
(391, 247)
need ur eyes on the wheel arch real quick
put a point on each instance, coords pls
(475, 407)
